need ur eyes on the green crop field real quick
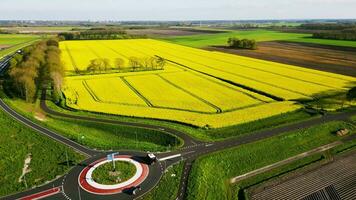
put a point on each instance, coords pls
(210, 173)
(219, 39)
(13, 42)
(48, 158)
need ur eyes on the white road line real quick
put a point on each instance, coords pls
(170, 157)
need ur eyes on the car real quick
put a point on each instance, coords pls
(151, 159)
(135, 189)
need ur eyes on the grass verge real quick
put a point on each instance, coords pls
(167, 188)
(98, 135)
(210, 173)
(47, 157)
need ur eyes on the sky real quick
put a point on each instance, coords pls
(124, 10)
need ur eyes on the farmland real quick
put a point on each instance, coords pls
(196, 87)
(218, 89)
(205, 40)
(13, 42)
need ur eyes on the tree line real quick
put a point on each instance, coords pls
(98, 34)
(242, 44)
(38, 65)
(328, 26)
(101, 65)
(337, 35)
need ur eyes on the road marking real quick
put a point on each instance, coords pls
(170, 157)
(43, 194)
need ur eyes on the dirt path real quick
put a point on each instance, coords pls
(341, 60)
(25, 168)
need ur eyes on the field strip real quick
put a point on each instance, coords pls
(245, 66)
(265, 62)
(218, 110)
(233, 83)
(172, 103)
(90, 91)
(136, 92)
(224, 84)
(283, 162)
(228, 72)
(118, 53)
(239, 75)
(281, 65)
(93, 51)
(71, 58)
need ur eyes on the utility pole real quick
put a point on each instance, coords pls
(136, 141)
(67, 158)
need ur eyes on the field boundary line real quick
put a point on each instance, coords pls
(118, 53)
(160, 107)
(248, 67)
(293, 67)
(279, 65)
(91, 92)
(234, 74)
(224, 84)
(72, 59)
(218, 110)
(285, 161)
(238, 75)
(231, 82)
(136, 92)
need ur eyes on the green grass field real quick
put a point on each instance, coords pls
(15, 42)
(48, 158)
(209, 175)
(167, 188)
(205, 40)
(105, 174)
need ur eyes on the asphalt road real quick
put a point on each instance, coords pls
(191, 150)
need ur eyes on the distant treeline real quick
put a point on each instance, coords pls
(98, 34)
(37, 65)
(328, 26)
(242, 44)
(337, 35)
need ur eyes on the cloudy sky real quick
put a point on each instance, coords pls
(175, 9)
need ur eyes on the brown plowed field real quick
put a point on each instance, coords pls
(341, 60)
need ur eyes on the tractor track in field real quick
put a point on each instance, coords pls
(191, 150)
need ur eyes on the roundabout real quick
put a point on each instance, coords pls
(89, 184)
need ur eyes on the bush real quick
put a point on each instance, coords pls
(242, 44)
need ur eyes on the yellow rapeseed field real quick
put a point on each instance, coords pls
(197, 87)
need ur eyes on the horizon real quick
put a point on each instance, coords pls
(184, 10)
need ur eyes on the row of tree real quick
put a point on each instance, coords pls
(337, 35)
(100, 65)
(328, 26)
(242, 44)
(98, 34)
(37, 65)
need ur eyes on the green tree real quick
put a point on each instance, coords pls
(119, 63)
(351, 94)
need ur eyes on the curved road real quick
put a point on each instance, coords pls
(191, 150)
